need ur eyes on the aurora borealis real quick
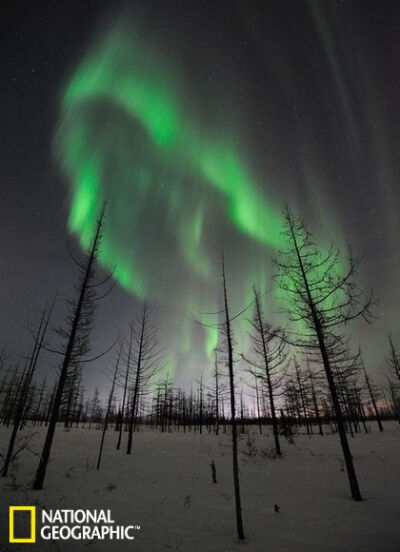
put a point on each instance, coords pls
(197, 122)
(170, 189)
(110, 90)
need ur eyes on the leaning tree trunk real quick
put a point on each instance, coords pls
(44, 459)
(351, 473)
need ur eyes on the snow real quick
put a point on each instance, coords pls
(165, 486)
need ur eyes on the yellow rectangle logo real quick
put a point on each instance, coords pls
(32, 510)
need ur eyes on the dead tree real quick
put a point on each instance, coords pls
(394, 360)
(217, 391)
(7, 389)
(25, 386)
(108, 410)
(224, 326)
(395, 399)
(227, 330)
(258, 405)
(269, 349)
(125, 387)
(40, 400)
(359, 406)
(302, 395)
(166, 391)
(95, 409)
(372, 396)
(321, 298)
(314, 399)
(145, 355)
(13, 393)
(76, 335)
(72, 392)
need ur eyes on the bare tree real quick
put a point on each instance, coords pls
(372, 396)
(25, 385)
(393, 390)
(270, 351)
(108, 409)
(227, 330)
(302, 395)
(76, 334)
(37, 416)
(217, 393)
(125, 388)
(145, 356)
(322, 298)
(394, 360)
(314, 398)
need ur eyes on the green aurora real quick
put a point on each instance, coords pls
(177, 194)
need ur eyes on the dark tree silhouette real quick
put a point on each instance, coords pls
(25, 386)
(302, 395)
(125, 387)
(314, 399)
(217, 393)
(321, 297)
(227, 330)
(108, 409)
(76, 335)
(394, 360)
(145, 357)
(372, 396)
(270, 351)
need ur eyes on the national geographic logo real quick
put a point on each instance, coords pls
(32, 523)
(68, 524)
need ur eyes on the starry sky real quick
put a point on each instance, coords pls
(196, 121)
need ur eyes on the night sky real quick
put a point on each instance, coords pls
(196, 121)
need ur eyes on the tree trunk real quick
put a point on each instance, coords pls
(235, 462)
(44, 459)
(107, 414)
(275, 428)
(355, 491)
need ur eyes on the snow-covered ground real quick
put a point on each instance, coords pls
(165, 487)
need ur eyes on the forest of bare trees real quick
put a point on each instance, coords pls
(304, 376)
